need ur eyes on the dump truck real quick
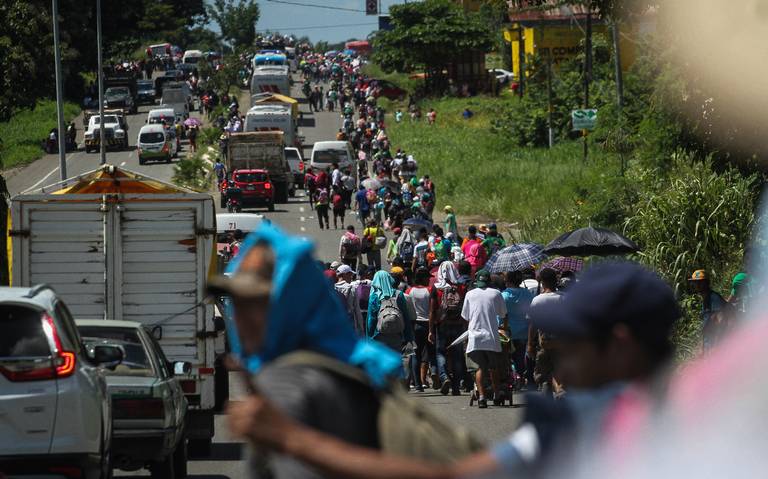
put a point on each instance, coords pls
(263, 150)
(116, 245)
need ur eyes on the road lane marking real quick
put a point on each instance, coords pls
(122, 164)
(303, 219)
(301, 209)
(303, 229)
(44, 178)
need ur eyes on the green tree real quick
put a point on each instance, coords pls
(237, 20)
(429, 35)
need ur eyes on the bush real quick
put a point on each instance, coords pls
(192, 173)
(22, 135)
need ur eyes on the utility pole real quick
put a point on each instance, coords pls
(100, 73)
(549, 99)
(521, 59)
(619, 89)
(587, 69)
(59, 93)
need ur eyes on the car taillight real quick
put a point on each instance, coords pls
(60, 365)
(138, 408)
(267, 186)
(165, 148)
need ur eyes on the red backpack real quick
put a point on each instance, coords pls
(338, 201)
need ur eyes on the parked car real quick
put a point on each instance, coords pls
(148, 403)
(503, 76)
(156, 143)
(55, 410)
(293, 155)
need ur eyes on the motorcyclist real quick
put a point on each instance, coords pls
(71, 135)
(233, 194)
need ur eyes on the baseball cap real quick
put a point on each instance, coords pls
(698, 275)
(335, 265)
(482, 277)
(344, 269)
(608, 294)
(397, 270)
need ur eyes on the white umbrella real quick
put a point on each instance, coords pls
(460, 339)
(371, 184)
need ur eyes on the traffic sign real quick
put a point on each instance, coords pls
(371, 7)
(584, 119)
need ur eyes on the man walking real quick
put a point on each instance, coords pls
(540, 367)
(349, 248)
(482, 308)
(362, 205)
(347, 290)
(518, 301)
(376, 240)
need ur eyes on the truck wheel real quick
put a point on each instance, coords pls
(199, 447)
(162, 469)
(292, 192)
(281, 193)
(221, 387)
(180, 459)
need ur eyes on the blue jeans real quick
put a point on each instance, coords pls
(446, 334)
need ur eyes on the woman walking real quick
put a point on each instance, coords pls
(389, 319)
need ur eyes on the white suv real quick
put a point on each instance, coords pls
(55, 412)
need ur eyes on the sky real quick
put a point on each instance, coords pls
(330, 24)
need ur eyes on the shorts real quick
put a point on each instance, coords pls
(485, 359)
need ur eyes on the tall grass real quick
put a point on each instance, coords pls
(22, 134)
(482, 172)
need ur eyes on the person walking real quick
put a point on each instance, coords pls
(418, 296)
(715, 310)
(375, 240)
(540, 345)
(321, 208)
(450, 221)
(389, 321)
(362, 205)
(518, 301)
(483, 306)
(493, 241)
(446, 325)
(339, 208)
(350, 246)
(347, 290)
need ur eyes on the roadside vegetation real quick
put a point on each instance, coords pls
(666, 169)
(195, 171)
(22, 134)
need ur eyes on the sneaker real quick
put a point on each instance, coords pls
(445, 387)
(419, 389)
(482, 403)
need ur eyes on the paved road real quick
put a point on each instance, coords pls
(295, 217)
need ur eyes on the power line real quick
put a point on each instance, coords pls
(290, 29)
(315, 5)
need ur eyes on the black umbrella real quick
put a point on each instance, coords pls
(591, 242)
(417, 223)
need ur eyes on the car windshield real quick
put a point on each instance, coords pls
(135, 362)
(251, 177)
(107, 119)
(145, 85)
(292, 155)
(330, 156)
(113, 92)
(21, 333)
(152, 137)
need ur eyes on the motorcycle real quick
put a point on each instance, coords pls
(234, 205)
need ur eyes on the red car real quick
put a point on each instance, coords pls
(256, 188)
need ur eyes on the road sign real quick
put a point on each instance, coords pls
(371, 7)
(584, 119)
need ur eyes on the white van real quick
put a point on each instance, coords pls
(156, 143)
(160, 115)
(192, 56)
(325, 153)
(177, 100)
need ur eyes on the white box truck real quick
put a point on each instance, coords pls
(271, 79)
(273, 117)
(117, 245)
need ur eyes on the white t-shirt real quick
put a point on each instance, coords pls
(544, 298)
(336, 177)
(481, 308)
(419, 296)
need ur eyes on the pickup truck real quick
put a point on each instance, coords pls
(120, 97)
(115, 132)
(263, 150)
(118, 246)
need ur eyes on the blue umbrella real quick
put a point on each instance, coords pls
(417, 223)
(515, 257)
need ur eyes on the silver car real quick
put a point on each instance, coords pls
(148, 403)
(55, 410)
